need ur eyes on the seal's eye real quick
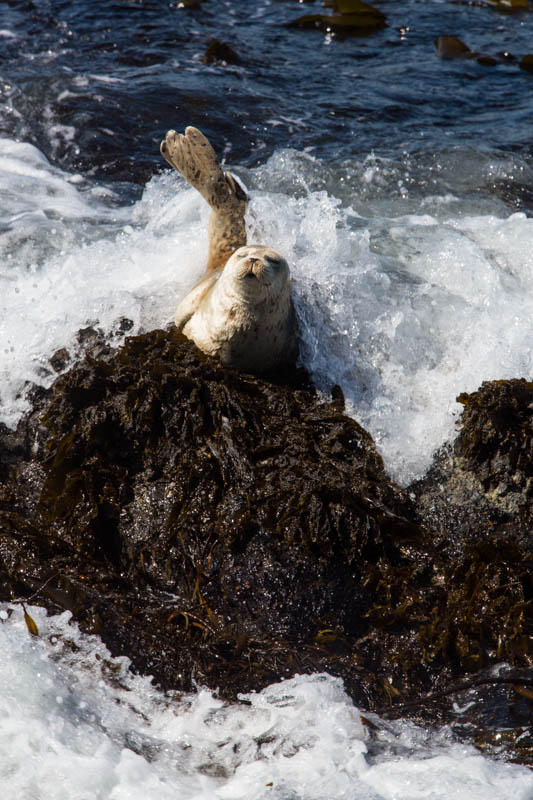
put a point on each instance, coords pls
(274, 261)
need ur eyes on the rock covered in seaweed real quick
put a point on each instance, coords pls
(218, 527)
(477, 501)
(251, 504)
(496, 441)
(484, 483)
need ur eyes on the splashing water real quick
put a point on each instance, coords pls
(403, 310)
(76, 724)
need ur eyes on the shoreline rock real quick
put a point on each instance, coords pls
(483, 483)
(226, 529)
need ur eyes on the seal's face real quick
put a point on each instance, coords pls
(257, 273)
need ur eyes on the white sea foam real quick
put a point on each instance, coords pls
(403, 310)
(70, 258)
(76, 725)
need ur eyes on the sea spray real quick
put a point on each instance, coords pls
(403, 311)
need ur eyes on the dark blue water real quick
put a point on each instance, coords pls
(96, 84)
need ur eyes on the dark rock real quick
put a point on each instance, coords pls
(192, 4)
(220, 52)
(496, 443)
(450, 47)
(487, 61)
(526, 63)
(124, 325)
(60, 360)
(483, 485)
(503, 6)
(340, 23)
(510, 6)
(354, 17)
(478, 499)
(219, 527)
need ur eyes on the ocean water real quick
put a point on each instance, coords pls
(76, 725)
(398, 186)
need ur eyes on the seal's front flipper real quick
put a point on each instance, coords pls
(190, 303)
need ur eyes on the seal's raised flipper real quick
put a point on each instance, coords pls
(193, 156)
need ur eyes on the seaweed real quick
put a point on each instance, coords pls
(222, 528)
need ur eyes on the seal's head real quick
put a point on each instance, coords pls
(244, 315)
(256, 273)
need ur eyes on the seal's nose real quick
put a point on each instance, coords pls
(253, 266)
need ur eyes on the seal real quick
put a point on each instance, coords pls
(241, 311)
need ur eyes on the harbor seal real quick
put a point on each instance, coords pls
(241, 311)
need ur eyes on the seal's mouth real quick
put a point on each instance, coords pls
(256, 269)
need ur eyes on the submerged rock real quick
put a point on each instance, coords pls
(348, 17)
(526, 63)
(510, 6)
(218, 527)
(450, 48)
(220, 52)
